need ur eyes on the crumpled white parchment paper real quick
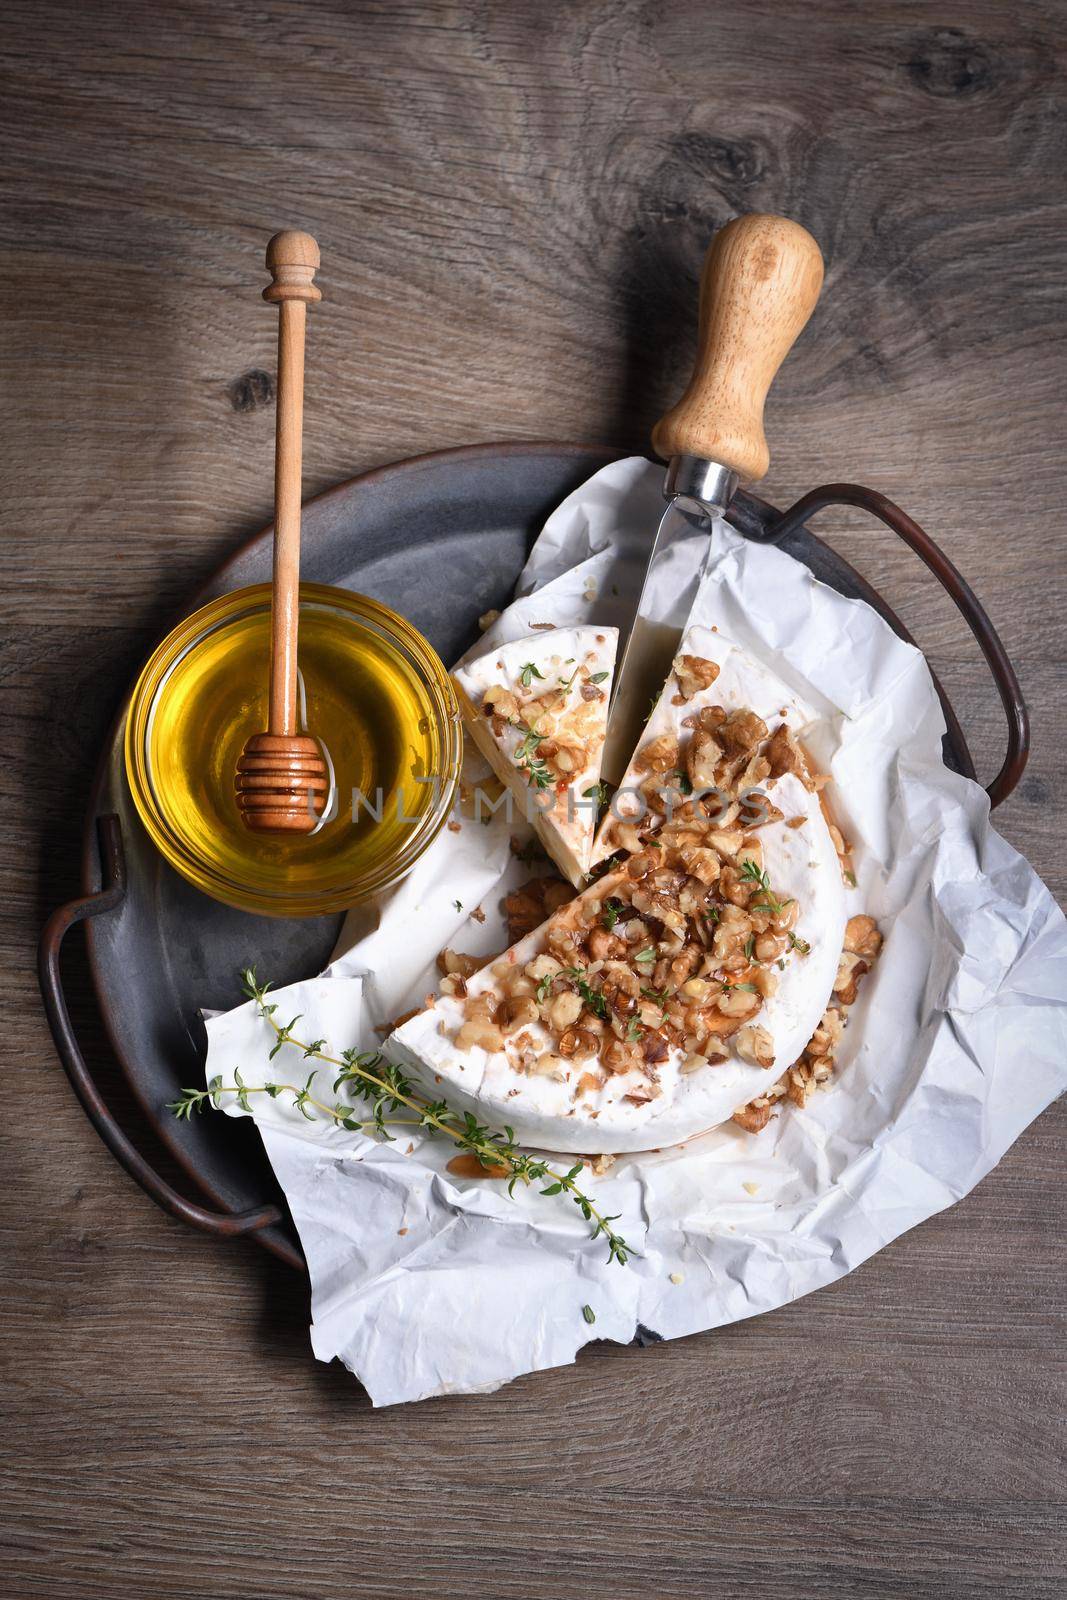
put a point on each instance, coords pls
(427, 1284)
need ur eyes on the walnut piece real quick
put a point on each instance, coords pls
(532, 903)
(753, 1117)
(816, 1064)
(659, 755)
(862, 937)
(453, 963)
(694, 673)
(499, 702)
(702, 758)
(785, 755)
(756, 1045)
(480, 1032)
(850, 969)
(742, 731)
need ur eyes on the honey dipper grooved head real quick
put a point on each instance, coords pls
(281, 783)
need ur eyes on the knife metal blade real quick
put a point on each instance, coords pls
(696, 491)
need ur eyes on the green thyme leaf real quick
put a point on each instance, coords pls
(593, 998)
(751, 873)
(610, 914)
(526, 755)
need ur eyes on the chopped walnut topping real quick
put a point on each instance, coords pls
(674, 953)
(454, 962)
(850, 969)
(702, 759)
(479, 1032)
(738, 1003)
(564, 1010)
(753, 1117)
(742, 731)
(815, 1066)
(785, 755)
(532, 902)
(579, 1043)
(862, 936)
(756, 1045)
(500, 702)
(516, 1013)
(659, 755)
(827, 1036)
(694, 673)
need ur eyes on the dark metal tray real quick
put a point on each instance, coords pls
(440, 538)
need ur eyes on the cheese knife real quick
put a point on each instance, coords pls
(761, 279)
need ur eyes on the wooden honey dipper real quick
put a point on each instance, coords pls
(282, 780)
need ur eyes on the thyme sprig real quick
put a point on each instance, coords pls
(751, 873)
(526, 755)
(388, 1091)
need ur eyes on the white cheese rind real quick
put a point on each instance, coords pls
(564, 819)
(801, 863)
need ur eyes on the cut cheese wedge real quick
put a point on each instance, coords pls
(537, 710)
(521, 1079)
(709, 670)
(685, 981)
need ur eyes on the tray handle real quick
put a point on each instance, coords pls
(111, 894)
(754, 526)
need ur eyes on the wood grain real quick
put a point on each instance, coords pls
(513, 202)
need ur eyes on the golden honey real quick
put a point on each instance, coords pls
(372, 691)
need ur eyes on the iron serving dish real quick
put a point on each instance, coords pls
(159, 951)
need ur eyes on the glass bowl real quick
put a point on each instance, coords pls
(372, 690)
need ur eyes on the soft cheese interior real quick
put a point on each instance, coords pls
(511, 1048)
(537, 710)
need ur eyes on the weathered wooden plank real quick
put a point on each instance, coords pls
(512, 204)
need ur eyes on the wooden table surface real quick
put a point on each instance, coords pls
(512, 201)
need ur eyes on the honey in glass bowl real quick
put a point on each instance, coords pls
(372, 690)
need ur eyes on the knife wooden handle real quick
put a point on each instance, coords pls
(761, 279)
